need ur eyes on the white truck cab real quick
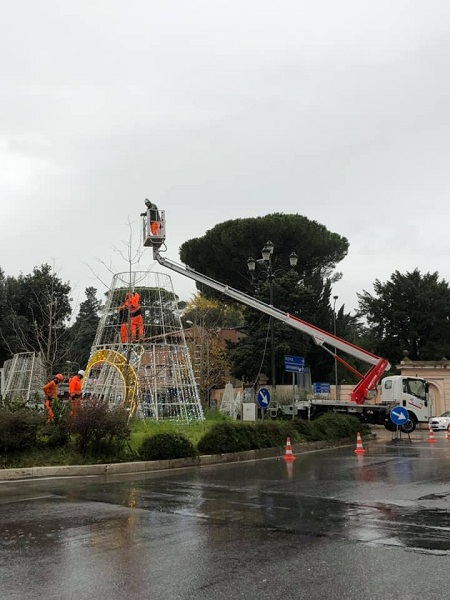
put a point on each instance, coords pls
(410, 392)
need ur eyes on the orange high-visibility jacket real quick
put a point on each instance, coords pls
(50, 390)
(133, 304)
(75, 386)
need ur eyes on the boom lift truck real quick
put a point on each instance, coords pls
(409, 392)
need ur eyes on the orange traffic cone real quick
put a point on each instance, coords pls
(448, 433)
(359, 445)
(431, 438)
(288, 452)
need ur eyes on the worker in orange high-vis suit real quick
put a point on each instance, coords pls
(75, 392)
(50, 390)
(136, 320)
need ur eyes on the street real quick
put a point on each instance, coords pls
(330, 525)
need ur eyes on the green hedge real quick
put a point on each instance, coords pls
(272, 434)
(165, 446)
(333, 426)
(237, 437)
(19, 429)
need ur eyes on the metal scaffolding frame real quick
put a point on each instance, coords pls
(22, 377)
(152, 377)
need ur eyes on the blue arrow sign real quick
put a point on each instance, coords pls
(263, 398)
(399, 415)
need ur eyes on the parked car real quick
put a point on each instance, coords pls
(441, 423)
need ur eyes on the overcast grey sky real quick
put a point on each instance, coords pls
(217, 110)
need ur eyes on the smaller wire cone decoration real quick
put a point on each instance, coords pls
(140, 359)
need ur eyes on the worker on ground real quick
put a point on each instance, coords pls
(50, 390)
(136, 320)
(75, 392)
(124, 323)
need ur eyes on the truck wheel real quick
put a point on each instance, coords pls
(389, 425)
(409, 426)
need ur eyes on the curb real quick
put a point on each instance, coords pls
(29, 473)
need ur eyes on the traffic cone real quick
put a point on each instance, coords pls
(431, 438)
(288, 452)
(448, 434)
(359, 445)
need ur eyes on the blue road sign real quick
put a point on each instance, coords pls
(321, 388)
(399, 415)
(294, 364)
(263, 398)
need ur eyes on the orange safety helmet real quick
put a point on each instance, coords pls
(59, 377)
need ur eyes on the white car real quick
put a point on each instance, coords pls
(441, 423)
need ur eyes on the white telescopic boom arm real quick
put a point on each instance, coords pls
(320, 337)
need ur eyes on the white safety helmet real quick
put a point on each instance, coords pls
(81, 372)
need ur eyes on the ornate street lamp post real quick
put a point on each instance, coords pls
(266, 263)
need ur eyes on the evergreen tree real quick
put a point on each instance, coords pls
(222, 254)
(82, 332)
(223, 251)
(410, 312)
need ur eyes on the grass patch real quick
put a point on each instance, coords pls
(194, 431)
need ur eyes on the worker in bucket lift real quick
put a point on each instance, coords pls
(123, 321)
(137, 322)
(50, 390)
(153, 214)
(75, 392)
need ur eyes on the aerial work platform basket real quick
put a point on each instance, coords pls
(153, 227)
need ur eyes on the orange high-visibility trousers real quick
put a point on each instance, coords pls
(48, 408)
(75, 404)
(137, 328)
(154, 227)
(124, 333)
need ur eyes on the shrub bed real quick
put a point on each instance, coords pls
(165, 446)
(98, 429)
(102, 435)
(19, 429)
(237, 437)
(333, 426)
(272, 434)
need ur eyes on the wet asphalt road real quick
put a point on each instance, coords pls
(331, 525)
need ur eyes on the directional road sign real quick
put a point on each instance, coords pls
(263, 398)
(294, 364)
(399, 415)
(321, 388)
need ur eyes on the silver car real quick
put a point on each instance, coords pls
(441, 423)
